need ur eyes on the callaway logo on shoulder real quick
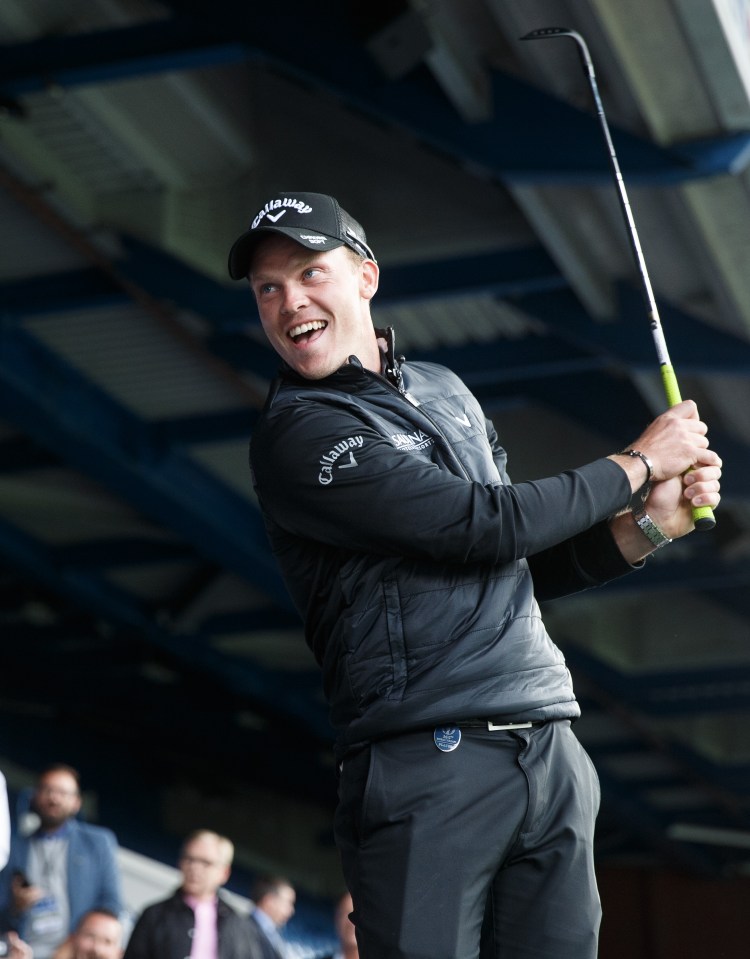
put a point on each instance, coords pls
(339, 457)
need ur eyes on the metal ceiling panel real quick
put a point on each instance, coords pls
(28, 249)
(141, 364)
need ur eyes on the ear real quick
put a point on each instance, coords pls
(369, 277)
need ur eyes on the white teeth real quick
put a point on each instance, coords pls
(307, 327)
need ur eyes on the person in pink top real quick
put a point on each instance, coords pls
(195, 921)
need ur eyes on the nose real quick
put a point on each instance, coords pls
(294, 298)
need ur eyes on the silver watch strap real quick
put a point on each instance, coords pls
(656, 536)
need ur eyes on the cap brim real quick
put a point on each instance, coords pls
(241, 254)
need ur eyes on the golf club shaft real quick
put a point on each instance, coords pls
(703, 516)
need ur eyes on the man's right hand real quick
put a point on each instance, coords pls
(18, 948)
(24, 896)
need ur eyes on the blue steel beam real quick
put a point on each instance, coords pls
(694, 347)
(506, 273)
(550, 140)
(226, 307)
(116, 553)
(249, 621)
(86, 289)
(678, 692)
(93, 593)
(574, 342)
(97, 57)
(733, 778)
(581, 367)
(611, 406)
(725, 785)
(46, 399)
(710, 572)
(592, 388)
(633, 813)
(120, 674)
(19, 454)
(191, 724)
(206, 428)
(525, 277)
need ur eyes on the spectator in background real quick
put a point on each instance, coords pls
(4, 823)
(274, 899)
(60, 872)
(98, 936)
(11, 945)
(347, 948)
(195, 921)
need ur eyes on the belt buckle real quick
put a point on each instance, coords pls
(494, 726)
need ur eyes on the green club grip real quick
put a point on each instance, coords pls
(703, 516)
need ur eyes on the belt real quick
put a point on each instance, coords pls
(492, 725)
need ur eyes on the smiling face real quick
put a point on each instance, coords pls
(98, 937)
(315, 306)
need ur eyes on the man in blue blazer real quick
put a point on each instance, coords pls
(274, 899)
(62, 871)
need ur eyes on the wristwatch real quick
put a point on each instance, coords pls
(656, 536)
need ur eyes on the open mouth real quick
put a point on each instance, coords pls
(304, 331)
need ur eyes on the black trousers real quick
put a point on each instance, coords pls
(486, 850)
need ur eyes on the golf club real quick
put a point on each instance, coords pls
(703, 516)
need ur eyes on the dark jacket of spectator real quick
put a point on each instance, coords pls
(163, 932)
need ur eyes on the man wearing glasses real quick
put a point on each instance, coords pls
(195, 921)
(65, 868)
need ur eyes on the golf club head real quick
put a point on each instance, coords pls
(547, 32)
(551, 33)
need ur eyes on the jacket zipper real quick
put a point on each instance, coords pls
(412, 401)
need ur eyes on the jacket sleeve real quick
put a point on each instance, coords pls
(591, 558)
(4, 823)
(326, 474)
(140, 944)
(245, 940)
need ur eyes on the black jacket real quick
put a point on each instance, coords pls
(164, 931)
(413, 561)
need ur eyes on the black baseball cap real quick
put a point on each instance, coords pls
(314, 220)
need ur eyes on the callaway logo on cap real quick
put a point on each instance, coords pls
(314, 220)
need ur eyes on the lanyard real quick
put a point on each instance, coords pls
(51, 852)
